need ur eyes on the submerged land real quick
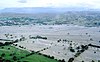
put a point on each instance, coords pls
(64, 37)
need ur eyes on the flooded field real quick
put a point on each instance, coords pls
(60, 38)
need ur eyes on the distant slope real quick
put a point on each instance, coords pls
(42, 10)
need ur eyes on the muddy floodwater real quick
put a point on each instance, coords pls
(79, 35)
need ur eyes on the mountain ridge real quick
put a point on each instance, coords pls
(43, 9)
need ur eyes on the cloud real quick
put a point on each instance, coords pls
(22, 1)
(50, 3)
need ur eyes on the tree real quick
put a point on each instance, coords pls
(86, 33)
(52, 57)
(1, 59)
(1, 43)
(72, 50)
(62, 60)
(7, 61)
(92, 61)
(3, 54)
(2, 47)
(82, 61)
(71, 60)
(91, 39)
(98, 60)
(8, 48)
(14, 58)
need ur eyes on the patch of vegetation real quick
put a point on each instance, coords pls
(37, 58)
(72, 50)
(12, 54)
(38, 37)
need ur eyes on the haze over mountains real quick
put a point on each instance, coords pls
(83, 16)
(44, 9)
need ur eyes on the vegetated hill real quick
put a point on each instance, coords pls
(84, 18)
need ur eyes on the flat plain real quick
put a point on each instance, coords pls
(60, 38)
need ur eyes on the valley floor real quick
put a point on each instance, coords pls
(61, 39)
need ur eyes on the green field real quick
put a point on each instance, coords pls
(12, 54)
(38, 58)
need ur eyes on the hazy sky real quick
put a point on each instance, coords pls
(50, 3)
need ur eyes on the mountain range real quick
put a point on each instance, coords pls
(43, 9)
